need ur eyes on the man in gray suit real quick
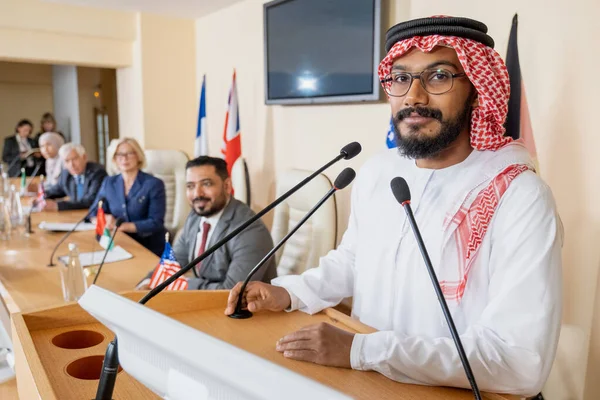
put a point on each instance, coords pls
(215, 213)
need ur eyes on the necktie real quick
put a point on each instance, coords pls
(79, 180)
(205, 230)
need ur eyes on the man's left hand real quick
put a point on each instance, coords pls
(51, 205)
(321, 344)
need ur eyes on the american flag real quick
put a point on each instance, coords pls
(167, 267)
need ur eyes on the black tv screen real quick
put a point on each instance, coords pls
(321, 51)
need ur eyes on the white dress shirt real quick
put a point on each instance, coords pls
(510, 314)
(213, 220)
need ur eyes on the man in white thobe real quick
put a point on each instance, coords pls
(488, 221)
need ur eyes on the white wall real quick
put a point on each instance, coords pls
(38, 31)
(557, 41)
(25, 92)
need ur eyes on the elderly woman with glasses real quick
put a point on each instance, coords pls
(50, 143)
(134, 196)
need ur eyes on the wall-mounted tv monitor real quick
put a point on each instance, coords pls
(321, 51)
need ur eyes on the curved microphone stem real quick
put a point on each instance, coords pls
(240, 228)
(13, 162)
(442, 300)
(239, 313)
(38, 165)
(112, 240)
(51, 264)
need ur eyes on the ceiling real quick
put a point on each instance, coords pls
(179, 8)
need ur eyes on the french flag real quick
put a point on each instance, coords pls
(201, 145)
(232, 143)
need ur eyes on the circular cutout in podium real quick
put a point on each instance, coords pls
(80, 339)
(87, 368)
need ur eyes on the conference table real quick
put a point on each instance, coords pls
(27, 284)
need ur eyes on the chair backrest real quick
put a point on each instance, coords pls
(169, 166)
(317, 236)
(240, 180)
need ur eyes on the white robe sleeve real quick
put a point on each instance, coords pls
(332, 281)
(512, 346)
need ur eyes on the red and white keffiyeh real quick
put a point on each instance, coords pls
(487, 72)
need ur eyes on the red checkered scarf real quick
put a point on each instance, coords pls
(488, 74)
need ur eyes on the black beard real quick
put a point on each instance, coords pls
(428, 147)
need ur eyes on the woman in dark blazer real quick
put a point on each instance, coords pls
(16, 147)
(137, 198)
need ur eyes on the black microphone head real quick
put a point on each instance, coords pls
(351, 150)
(118, 222)
(344, 178)
(400, 190)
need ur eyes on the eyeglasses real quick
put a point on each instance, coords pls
(125, 155)
(434, 81)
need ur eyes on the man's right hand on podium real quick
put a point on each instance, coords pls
(259, 296)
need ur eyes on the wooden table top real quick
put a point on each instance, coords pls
(28, 283)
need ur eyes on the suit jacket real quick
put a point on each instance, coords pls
(11, 152)
(66, 186)
(145, 206)
(232, 262)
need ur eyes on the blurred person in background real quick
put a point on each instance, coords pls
(136, 197)
(50, 143)
(47, 124)
(80, 180)
(18, 147)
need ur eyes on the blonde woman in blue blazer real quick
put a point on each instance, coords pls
(135, 196)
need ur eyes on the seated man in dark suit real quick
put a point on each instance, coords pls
(215, 213)
(80, 180)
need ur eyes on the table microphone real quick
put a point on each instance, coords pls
(35, 171)
(402, 194)
(51, 263)
(38, 165)
(343, 180)
(347, 152)
(111, 360)
(118, 223)
(14, 161)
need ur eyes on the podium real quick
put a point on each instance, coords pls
(59, 351)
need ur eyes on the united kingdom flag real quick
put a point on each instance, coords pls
(167, 267)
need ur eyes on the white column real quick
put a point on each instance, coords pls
(66, 101)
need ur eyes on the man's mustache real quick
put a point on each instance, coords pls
(200, 199)
(421, 111)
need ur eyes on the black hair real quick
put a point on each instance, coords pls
(219, 164)
(23, 122)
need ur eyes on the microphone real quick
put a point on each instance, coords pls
(51, 263)
(13, 162)
(38, 165)
(343, 180)
(347, 152)
(118, 223)
(35, 171)
(108, 375)
(402, 194)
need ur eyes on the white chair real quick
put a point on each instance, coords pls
(240, 180)
(317, 236)
(169, 166)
